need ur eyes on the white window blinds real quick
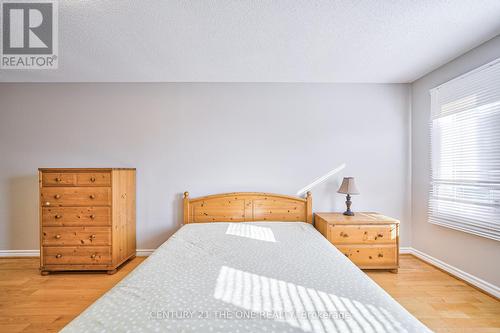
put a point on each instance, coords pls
(465, 153)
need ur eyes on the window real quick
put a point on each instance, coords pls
(465, 153)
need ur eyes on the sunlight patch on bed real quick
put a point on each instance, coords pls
(251, 231)
(262, 294)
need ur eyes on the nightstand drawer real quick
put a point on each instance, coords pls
(362, 234)
(371, 256)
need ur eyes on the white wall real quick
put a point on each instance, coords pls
(472, 254)
(205, 138)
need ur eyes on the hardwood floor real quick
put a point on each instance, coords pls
(440, 301)
(30, 302)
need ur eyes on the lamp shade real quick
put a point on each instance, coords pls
(348, 186)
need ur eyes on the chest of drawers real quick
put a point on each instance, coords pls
(87, 219)
(369, 240)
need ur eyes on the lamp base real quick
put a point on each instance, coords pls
(348, 203)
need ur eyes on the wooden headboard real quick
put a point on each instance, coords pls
(247, 206)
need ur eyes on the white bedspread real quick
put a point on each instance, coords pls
(246, 277)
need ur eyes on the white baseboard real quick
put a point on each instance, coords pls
(405, 250)
(473, 280)
(144, 252)
(19, 253)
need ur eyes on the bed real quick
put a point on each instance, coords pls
(246, 262)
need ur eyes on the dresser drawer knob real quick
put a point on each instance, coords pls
(58, 180)
(58, 256)
(92, 196)
(93, 256)
(380, 255)
(380, 235)
(92, 216)
(47, 203)
(343, 234)
(92, 236)
(58, 216)
(57, 196)
(92, 179)
(58, 236)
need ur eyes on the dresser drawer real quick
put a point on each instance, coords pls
(75, 216)
(367, 256)
(93, 179)
(58, 179)
(75, 196)
(363, 234)
(84, 255)
(64, 236)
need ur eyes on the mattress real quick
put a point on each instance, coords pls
(246, 277)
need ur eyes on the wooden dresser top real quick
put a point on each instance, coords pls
(358, 218)
(80, 169)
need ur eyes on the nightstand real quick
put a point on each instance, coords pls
(369, 240)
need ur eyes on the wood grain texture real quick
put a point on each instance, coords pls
(370, 240)
(372, 256)
(247, 206)
(76, 255)
(100, 178)
(366, 218)
(124, 203)
(76, 236)
(76, 216)
(32, 303)
(363, 234)
(58, 179)
(75, 196)
(93, 179)
(87, 218)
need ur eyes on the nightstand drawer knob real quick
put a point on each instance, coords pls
(92, 196)
(92, 216)
(92, 237)
(58, 256)
(57, 196)
(58, 236)
(58, 216)
(58, 179)
(93, 256)
(343, 234)
(380, 255)
(380, 235)
(92, 179)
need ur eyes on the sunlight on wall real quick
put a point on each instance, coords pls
(321, 179)
(258, 293)
(251, 231)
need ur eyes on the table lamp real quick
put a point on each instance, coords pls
(348, 187)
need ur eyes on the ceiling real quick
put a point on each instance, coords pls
(384, 41)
